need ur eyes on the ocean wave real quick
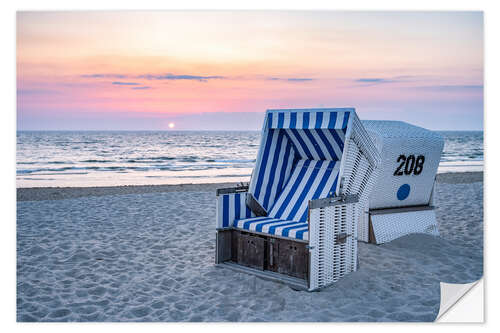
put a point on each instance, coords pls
(30, 178)
(97, 161)
(235, 161)
(31, 171)
(77, 142)
(152, 158)
(458, 158)
(55, 173)
(201, 176)
(135, 155)
(64, 170)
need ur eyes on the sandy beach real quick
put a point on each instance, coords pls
(146, 253)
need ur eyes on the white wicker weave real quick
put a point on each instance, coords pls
(410, 158)
(360, 171)
(398, 138)
(330, 258)
(359, 168)
(387, 227)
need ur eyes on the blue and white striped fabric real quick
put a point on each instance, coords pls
(277, 227)
(310, 179)
(230, 207)
(299, 160)
(274, 167)
(309, 118)
(317, 144)
(292, 135)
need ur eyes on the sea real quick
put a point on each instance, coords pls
(112, 158)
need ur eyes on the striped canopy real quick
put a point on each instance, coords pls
(299, 159)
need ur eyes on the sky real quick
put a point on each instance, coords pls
(220, 70)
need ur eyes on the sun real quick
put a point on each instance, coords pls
(171, 125)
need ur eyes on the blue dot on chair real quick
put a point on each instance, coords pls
(403, 191)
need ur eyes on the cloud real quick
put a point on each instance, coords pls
(104, 76)
(405, 77)
(451, 88)
(374, 80)
(291, 79)
(299, 79)
(179, 77)
(120, 83)
(141, 88)
(37, 92)
(168, 76)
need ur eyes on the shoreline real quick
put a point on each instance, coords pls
(61, 193)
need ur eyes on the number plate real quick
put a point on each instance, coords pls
(409, 165)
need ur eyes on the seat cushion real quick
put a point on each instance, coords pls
(310, 179)
(273, 226)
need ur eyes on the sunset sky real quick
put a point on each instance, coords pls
(216, 70)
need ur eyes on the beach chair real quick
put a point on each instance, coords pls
(402, 200)
(297, 220)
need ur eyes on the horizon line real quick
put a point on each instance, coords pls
(192, 130)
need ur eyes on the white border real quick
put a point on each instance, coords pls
(8, 125)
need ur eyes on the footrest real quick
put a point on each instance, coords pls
(385, 227)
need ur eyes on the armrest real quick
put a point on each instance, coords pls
(339, 200)
(229, 190)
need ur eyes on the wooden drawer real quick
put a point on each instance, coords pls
(250, 250)
(288, 257)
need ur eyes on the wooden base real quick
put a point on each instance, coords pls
(288, 257)
(263, 253)
(371, 233)
(249, 250)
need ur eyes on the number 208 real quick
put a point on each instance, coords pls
(409, 164)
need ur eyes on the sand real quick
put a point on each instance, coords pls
(146, 253)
